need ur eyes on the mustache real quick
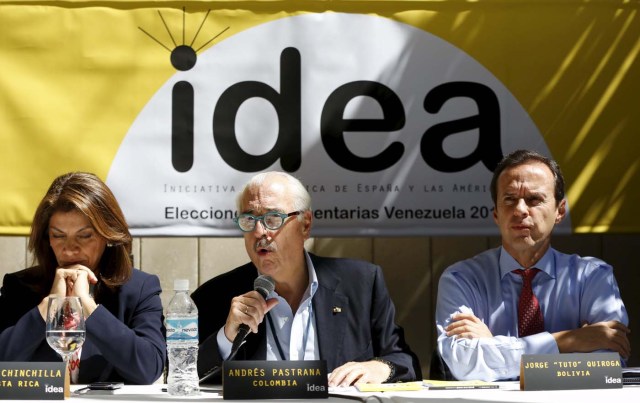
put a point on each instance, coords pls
(263, 243)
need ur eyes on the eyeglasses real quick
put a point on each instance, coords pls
(271, 220)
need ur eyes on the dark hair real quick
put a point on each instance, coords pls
(87, 194)
(520, 157)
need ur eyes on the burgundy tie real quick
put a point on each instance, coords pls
(530, 320)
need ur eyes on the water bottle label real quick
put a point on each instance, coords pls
(182, 329)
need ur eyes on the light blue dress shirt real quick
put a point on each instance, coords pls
(296, 333)
(572, 290)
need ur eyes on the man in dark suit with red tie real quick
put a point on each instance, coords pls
(525, 297)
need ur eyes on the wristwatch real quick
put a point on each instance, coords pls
(392, 368)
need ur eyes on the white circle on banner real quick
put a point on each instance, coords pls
(335, 49)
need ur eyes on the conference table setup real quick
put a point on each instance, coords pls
(595, 381)
(505, 392)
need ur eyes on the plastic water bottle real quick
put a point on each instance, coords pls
(181, 321)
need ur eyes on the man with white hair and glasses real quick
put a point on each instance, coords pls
(332, 309)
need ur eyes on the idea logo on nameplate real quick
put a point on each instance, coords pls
(570, 371)
(33, 381)
(274, 380)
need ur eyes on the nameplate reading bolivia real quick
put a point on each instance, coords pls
(274, 380)
(570, 371)
(33, 381)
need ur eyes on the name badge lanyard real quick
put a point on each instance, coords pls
(304, 339)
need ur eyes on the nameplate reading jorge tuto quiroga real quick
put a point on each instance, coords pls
(570, 371)
(274, 380)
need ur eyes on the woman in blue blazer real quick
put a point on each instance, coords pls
(81, 242)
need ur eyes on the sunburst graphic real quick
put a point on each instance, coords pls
(183, 56)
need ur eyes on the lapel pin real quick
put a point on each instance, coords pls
(337, 309)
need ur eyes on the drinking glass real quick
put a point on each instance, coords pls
(65, 325)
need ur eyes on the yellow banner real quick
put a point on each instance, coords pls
(76, 75)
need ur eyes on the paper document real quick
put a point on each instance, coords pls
(390, 387)
(443, 385)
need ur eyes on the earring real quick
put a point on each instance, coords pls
(109, 245)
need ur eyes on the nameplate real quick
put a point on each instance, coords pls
(274, 380)
(33, 381)
(570, 371)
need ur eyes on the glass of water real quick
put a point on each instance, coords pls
(65, 325)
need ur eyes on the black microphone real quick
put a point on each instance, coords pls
(264, 285)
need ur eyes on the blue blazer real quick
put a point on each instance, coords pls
(125, 334)
(365, 328)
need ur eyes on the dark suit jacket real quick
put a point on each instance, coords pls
(125, 334)
(365, 327)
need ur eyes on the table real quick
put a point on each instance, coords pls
(509, 392)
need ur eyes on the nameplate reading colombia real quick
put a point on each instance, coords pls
(570, 371)
(274, 380)
(32, 381)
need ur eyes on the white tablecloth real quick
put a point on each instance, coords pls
(508, 392)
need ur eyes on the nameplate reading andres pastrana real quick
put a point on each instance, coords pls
(274, 380)
(32, 380)
(570, 371)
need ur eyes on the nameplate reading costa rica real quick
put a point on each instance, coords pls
(33, 381)
(274, 380)
(570, 371)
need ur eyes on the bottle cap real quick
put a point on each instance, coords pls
(181, 284)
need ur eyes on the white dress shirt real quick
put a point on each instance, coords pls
(296, 333)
